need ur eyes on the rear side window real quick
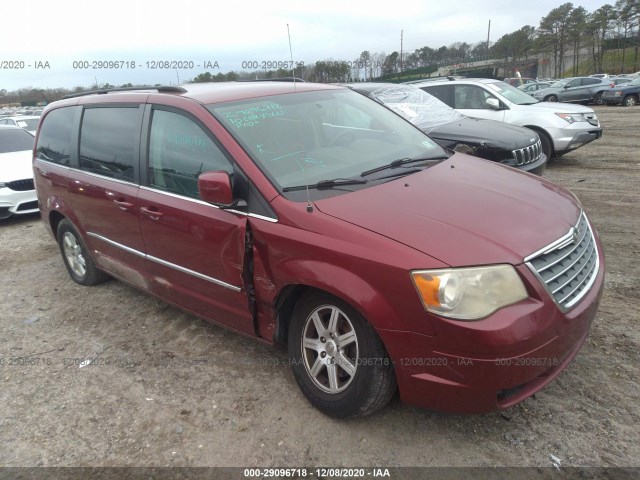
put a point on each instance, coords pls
(54, 142)
(179, 151)
(591, 81)
(109, 141)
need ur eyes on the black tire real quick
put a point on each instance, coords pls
(551, 98)
(367, 382)
(76, 258)
(597, 99)
(629, 101)
(547, 144)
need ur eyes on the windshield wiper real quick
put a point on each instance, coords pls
(336, 182)
(399, 162)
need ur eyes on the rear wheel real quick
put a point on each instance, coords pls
(629, 101)
(76, 257)
(597, 99)
(338, 360)
(551, 98)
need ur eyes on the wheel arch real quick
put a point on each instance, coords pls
(345, 285)
(541, 131)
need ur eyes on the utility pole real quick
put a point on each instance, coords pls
(488, 33)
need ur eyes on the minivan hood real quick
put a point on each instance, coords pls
(463, 211)
(16, 166)
(489, 132)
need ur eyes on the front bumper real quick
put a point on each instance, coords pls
(567, 139)
(491, 364)
(536, 167)
(613, 100)
(14, 202)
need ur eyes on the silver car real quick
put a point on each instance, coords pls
(576, 89)
(562, 127)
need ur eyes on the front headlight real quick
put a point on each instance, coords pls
(468, 293)
(572, 117)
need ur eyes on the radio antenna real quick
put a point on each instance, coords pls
(293, 67)
(304, 170)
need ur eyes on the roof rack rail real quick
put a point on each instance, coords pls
(102, 91)
(281, 79)
(449, 78)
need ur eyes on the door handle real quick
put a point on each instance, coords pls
(123, 205)
(151, 212)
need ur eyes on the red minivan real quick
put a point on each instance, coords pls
(310, 216)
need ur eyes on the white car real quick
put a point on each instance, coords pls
(17, 193)
(562, 127)
(28, 122)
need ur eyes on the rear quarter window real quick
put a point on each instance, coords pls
(54, 142)
(442, 93)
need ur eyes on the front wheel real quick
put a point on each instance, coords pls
(629, 101)
(76, 257)
(338, 360)
(551, 98)
(547, 145)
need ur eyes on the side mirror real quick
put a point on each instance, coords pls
(215, 188)
(493, 103)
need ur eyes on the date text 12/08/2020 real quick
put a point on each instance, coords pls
(148, 64)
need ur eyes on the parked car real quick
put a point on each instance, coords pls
(614, 81)
(29, 123)
(507, 144)
(600, 75)
(308, 215)
(561, 127)
(575, 89)
(627, 94)
(532, 87)
(517, 81)
(17, 193)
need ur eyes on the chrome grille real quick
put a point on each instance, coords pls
(568, 267)
(526, 155)
(21, 185)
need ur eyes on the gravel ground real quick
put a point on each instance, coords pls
(168, 389)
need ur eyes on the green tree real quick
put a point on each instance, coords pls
(600, 24)
(553, 34)
(577, 27)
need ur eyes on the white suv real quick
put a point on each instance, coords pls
(562, 127)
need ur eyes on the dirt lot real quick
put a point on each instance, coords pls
(171, 390)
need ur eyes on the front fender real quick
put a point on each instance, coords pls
(371, 302)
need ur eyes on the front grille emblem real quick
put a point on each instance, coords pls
(574, 235)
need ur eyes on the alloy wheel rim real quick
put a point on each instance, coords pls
(73, 254)
(330, 349)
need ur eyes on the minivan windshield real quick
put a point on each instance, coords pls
(307, 138)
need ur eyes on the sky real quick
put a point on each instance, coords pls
(68, 43)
